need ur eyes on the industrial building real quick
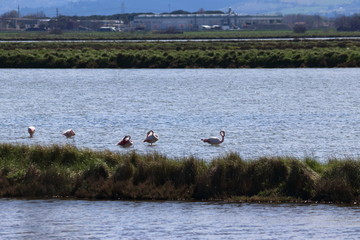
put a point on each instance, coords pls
(196, 22)
(21, 23)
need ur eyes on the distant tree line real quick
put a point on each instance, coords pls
(10, 14)
(310, 21)
(348, 23)
(15, 14)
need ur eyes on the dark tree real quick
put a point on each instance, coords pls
(10, 14)
(36, 15)
(299, 28)
(351, 23)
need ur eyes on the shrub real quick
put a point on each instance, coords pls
(56, 31)
(299, 28)
(39, 171)
(340, 181)
(266, 173)
(228, 176)
(124, 172)
(301, 181)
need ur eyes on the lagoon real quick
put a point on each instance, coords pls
(276, 112)
(296, 112)
(79, 219)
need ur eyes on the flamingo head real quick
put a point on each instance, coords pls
(222, 133)
(126, 141)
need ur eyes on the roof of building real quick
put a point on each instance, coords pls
(207, 16)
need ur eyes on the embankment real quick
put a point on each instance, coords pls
(65, 171)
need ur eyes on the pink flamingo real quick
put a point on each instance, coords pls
(215, 140)
(69, 133)
(151, 137)
(31, 131)
(126, 142)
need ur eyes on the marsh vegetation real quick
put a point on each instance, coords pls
(141, 35)
(254, 54)
(65, 171)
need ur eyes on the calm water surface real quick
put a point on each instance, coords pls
(66, 219)
(297, 112)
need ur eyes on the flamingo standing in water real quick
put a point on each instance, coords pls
(69, 133)
(126, 142)
(215, 140)
(151, 137)
(31, 131)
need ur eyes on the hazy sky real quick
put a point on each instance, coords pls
(130, 5)
(49, 3)
(13, 4)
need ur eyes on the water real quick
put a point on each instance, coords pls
(187, 40)
(67, 219)
(296, 112)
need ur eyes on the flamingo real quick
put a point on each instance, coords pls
(31, 131)
(151, 137)
(215, 140)
(126, 142)
(69, 133)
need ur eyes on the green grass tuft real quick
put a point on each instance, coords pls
(65, 171)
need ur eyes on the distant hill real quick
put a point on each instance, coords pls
(109, 7)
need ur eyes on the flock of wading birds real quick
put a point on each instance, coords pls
(151, 137)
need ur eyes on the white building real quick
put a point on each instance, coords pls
(195, 22)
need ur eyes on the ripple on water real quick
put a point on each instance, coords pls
(61, 219)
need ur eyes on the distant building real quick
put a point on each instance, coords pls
(107, 29)
(22, 23)
(195, 22)
(101, 25)
(30, 24)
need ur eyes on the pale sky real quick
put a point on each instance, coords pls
(13, 4)
(7, 5)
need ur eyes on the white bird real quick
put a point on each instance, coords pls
(215, 140)
(31, 131)
(126, 142)
(151, 137)
(69, 133)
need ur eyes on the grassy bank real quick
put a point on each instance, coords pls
(65, 171)
(254, 54)
(138, 35)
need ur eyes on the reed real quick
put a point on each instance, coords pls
(340, 181)
(65, 171)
